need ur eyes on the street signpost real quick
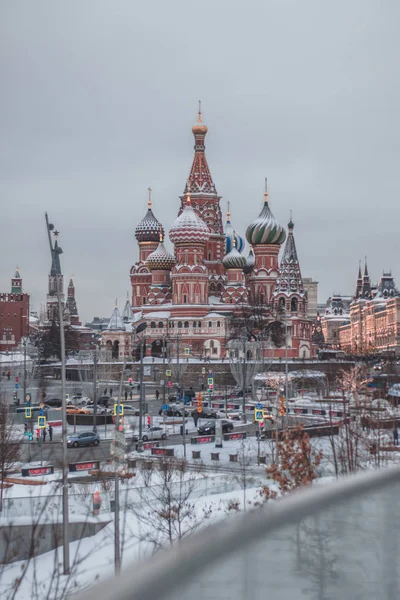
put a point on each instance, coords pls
(259, 405)
(165, 406)
(28, 412)
(258, 415)
(41, 422)
(187, 351)
(168, 372)
(118, 409)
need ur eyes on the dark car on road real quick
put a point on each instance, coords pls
(54, 402)
(173, 412)
(205, 414)
(85, 438)
(209, 427)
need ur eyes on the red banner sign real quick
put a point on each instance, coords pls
(84, 466)
(37, 472)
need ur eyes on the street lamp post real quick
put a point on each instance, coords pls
(65, 470)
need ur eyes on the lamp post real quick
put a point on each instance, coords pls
(65, 508)
(24, 340)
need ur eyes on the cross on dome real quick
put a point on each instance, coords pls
(149, 201)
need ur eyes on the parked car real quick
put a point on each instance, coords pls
(104, 400)
(85, 438)
(209, 427)
(154, 433)
(76, 410)
(205, 414)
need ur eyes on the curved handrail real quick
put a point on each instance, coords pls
(169, 570)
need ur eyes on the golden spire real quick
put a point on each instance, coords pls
(266, 190)
(149, 201)
(188, 194)
(199, 119)
(228, 212)
(199, 127)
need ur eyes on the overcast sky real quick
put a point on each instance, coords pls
(98, 99)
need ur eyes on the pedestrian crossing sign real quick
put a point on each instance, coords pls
(168, 373)
(28, 412)
(41, 422)
(210, 380)
(118, 409)
(187, 351)
(258, 415)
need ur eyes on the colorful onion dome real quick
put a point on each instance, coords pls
(234, 260)
(250, 262)
(265, 229)
(189, 228)
(231, 235)
(199, 127)
(160, 259)
(149, 229)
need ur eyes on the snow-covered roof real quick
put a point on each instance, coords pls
(306, 374)
(115, 323)
(162, 314)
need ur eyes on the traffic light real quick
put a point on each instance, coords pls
(169, 383)
(130, 380)
(16, 379)
(148, 421)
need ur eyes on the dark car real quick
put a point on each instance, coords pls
(54, 402)
(86, 438)
(173, 412)
(209, 427)
(103, 401)
(205, 414)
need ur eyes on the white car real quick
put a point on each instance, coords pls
(154, 433)
(79, 400)
(231, 413)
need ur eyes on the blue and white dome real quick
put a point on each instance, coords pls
(231, 235)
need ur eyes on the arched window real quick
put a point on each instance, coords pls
(282, 303)
(212, 287)
(209, 255)
(144, 300)
(179, 324)
(219, 287)
(184, 299)
(212, 344)
(199, 324)
(160, 325)
(218, 323)
(294, 305)
(194, 323)
(210, 323)
(186, 325)
(153, 325)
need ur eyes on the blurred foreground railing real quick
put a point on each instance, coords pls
(333, 541)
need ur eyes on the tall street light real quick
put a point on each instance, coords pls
(55, 262)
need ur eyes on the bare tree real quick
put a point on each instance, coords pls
(166, 509)
(9, 447)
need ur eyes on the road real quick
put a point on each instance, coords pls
(52, 452)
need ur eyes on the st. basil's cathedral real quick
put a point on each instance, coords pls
(195, 292)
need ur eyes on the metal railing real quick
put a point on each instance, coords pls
(340, 540)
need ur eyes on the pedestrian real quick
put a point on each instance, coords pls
(26, 428)
(44, 434)
(130, 394)
(157, 394)
(38, 435)
(105, 392)
(8, 375)
(110, 392)
(51, 433)
(126, 395)
(17, 401)
(396, 436)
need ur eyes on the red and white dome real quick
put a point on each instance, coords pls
(189, 228)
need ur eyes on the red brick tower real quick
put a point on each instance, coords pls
(205, 201)
(190, 279)
(148, 234)
(14, 315)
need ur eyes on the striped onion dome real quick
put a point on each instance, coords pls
(230, 235)
(265, 229)
(149, 229)
(234, 260)
(189, 228)
(250, 262)
(160, 259)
